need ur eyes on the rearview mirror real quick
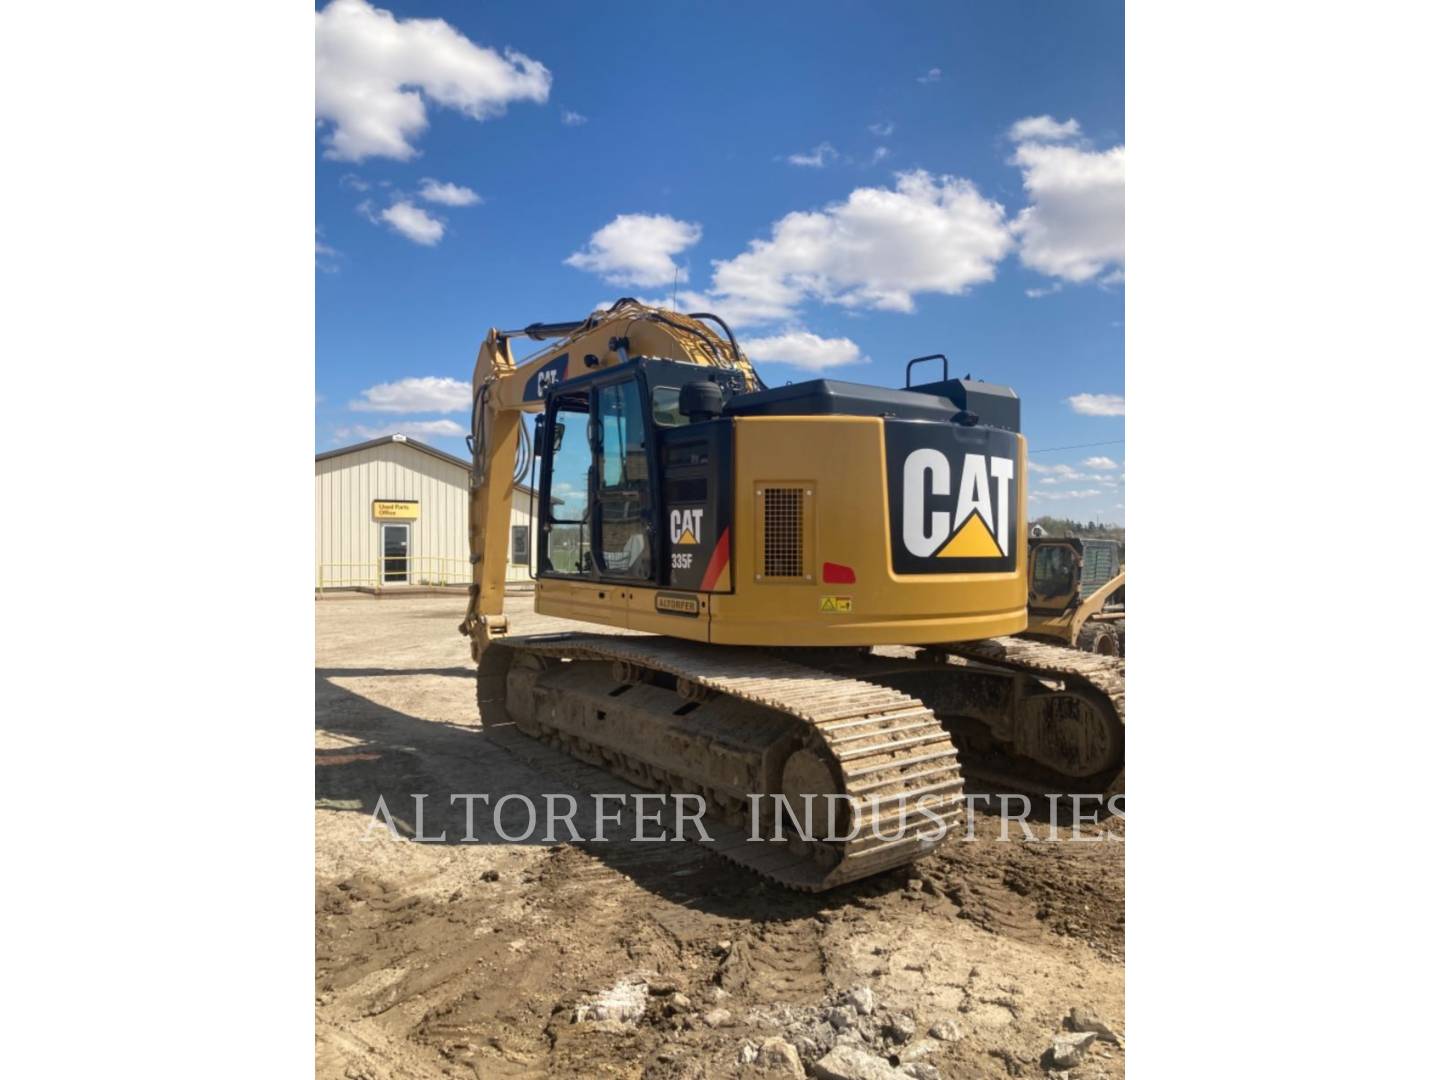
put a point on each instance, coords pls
(557, 437)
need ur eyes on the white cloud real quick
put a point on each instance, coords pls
(429, 393)
(1074, 228)
(374, 74)
(419, 429)
(1104, 463)
(413, 223)
(1058, 496)
(880, 154)
(447, 194)
(1048, 290)
(883, 129)
(638, 249)
(933, 75)
(817, 158)
(1043, 129)
(1098, 404)
(877, 249)
(571, 118)
(1063, 472)
(325, 255)
(802, 349)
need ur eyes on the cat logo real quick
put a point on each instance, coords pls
(540, 384)
(940, 522)
(685, 526)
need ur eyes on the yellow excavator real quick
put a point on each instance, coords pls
(814, 587)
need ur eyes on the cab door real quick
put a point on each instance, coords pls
(624, 503)
(597, 533)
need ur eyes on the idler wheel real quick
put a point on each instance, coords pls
(808, 773)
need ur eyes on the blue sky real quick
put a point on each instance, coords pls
(853, 184)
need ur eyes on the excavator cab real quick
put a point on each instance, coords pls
(632, 475)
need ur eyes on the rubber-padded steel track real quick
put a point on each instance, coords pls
(886, 749)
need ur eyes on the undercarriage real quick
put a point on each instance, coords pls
(818, 766)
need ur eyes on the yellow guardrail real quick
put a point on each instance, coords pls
(432, 570)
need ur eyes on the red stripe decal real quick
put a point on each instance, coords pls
(719, 558)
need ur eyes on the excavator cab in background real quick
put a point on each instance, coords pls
(1077, 593)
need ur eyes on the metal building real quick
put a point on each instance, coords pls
(392, 513)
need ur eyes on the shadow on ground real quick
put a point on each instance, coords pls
(395, 756)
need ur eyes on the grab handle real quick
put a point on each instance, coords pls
(921, 359)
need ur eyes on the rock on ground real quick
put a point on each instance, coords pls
(853, 1063)
(900, 1028)
(863, 998)
(625, 1002)
(946, 1031)
(1067, 1049)
(719, 1018)
(777, 1058)
(1085, 1019)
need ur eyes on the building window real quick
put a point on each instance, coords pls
(520, 545)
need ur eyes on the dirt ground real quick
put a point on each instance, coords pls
(460, 959)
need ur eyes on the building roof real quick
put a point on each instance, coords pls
(404, 440)
(414, 444)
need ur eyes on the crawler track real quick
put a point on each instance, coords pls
(723, 722)
(1104, 676)
(882, 747)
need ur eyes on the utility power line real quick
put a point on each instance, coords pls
(1078, 446)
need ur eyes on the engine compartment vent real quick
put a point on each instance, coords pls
(784, 532)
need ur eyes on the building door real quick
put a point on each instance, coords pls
(395, 542)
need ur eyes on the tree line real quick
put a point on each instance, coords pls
(1101, 530)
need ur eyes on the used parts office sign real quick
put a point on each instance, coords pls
(404, 510)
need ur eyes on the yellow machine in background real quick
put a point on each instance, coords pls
(762, 542)
(1077, 593)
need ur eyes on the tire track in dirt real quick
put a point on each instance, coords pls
(427, 968)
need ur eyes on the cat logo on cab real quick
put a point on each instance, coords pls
(685, 526)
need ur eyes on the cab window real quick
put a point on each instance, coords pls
(567, 537)
(1052, 569)
(623, 492)
(665, 407)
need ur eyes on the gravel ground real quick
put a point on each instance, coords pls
(492, 959)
